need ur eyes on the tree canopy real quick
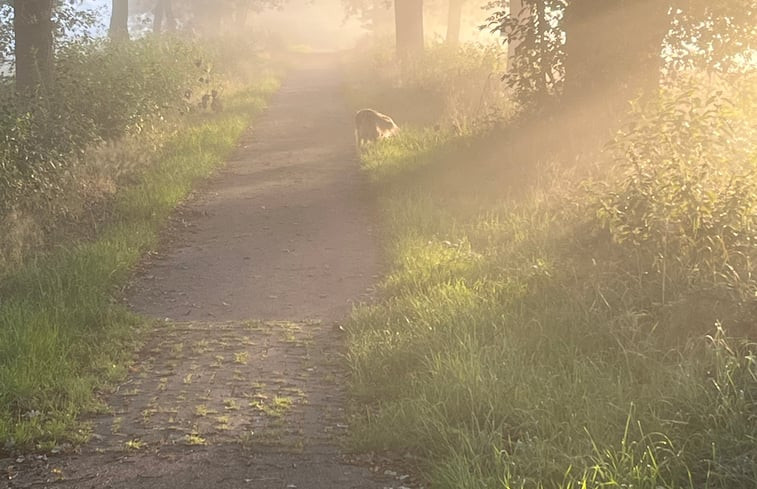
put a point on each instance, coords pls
(570, 47)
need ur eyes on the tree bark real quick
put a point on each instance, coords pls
(613, 48)
(170, 17)
(33, 29)
(119, 21)
(408, 17)
(163, 15)
(542, 27)
(518, 10)
(454, 19)
(158, 15)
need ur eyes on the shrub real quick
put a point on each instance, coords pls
(570, 333)
(103, 92)
(685, 203)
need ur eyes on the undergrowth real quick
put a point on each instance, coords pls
(542, 330)
(452, 88)
(63, 332)
(64, 153)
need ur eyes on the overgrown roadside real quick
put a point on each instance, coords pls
(63, 332)
(241, 381)
(552, 325)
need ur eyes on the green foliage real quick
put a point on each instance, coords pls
(724, 34)
(70, 21)
(536, 71)
(62, 334)
(523, 339)
(686, 202)
(6, 33)
(464, 78)
(103, 93)
(701, 34)
(88, 173)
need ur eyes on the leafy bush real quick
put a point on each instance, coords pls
(685, 205)
(575, 333)
(102, 93)
(63, 334)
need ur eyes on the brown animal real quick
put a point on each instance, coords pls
(371, 125)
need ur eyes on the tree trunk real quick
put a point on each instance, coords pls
(158, 15)
(542, 27)
(170, 17)
(613, 49)
(518, 9)
(454, 19)
(33, 29)
(241, 13)
(119, 21)
(163, 14)
(408, 18)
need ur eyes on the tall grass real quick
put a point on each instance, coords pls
(454, 88)
(540, 330)
(63, 156)
(63, 332)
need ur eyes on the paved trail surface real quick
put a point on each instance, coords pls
(284, 231)
(241, 385)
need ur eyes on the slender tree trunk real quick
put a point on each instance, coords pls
(519, 10)
(170, 17)
(454, 20)
(374, 15)
(33, 29)
(241, 12)
(163, 16)
(119, 21)
(542, 26)
(408, 17)
(158, 15)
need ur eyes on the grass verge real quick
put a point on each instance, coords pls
(517, 344)
(63, 333)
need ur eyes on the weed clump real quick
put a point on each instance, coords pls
(563, 328)
(87, 177)
(453, 88)
(65, 153)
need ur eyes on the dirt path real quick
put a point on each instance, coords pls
(241, 384)
(283, 232)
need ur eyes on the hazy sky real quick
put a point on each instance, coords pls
(101, 6)
(321, 24)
